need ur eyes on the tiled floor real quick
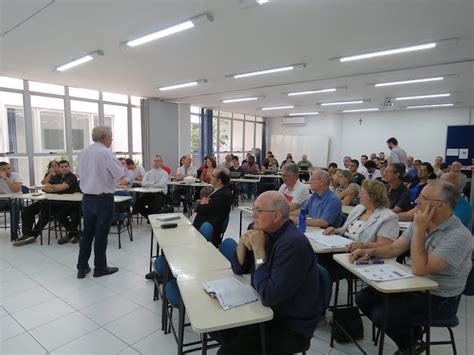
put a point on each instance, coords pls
(44, 308)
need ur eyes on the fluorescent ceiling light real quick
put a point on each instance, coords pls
(207, 17)
(268, 71)
(184, 85)
(240, 100)
(276, 108)
(389, 52)
(84, 59)
(361, 110)
(342, 103)
(252, 3)
(428, 106)
(304, 113)
(261, 2)
(422, 97)
(414, 81)
(311, 92)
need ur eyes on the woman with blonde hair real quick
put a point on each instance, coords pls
(348, 190)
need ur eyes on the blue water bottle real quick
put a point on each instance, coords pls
(302, 221)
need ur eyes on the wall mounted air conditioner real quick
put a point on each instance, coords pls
(293, 121)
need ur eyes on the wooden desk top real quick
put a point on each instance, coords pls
(417, 283)
(206, 314)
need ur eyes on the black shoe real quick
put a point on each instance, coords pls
(151, 275)
(63, 240)
(26, 239)
(74, 237)
(81, 273)
(107, 271)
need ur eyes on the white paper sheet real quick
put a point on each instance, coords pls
(463, 153)
(168, 217)
(328, 240)
(230, 292)
(404, 225)
(382, 272)
(452, 152)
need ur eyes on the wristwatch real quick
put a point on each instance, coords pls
(260, 261)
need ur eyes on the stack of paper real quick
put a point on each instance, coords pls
(330, 241)
(230, 292)
(383, 272)
(167, 217)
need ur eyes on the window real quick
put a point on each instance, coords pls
(249, 136)
(237, 136)
(224, 135)
(11, 83)
(258, 135)
(215, 130)
(46, 88)
(84, 116)
(136, 100)
(116, 117)
(84, 93)
(108, 96)
(137, 130)
(12, 123)
(48, 124)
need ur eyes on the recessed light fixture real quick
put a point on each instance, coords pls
(304, 114)
(267, 71)
(183, 85)
(252, 3)
(193, 22)
(88, 57)
(228, 101)
(342, 103)
(414, 81)
(429, 106)
(276, 108)
(310, 92)
(422, 97)
(361, 110)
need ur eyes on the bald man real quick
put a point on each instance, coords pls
(463, 209)
(284, 273)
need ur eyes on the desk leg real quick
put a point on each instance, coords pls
(240, 226)
(204, 343)
(262, 338)
(181, 327)
(384, 323)
(428, 322)
(336, 295)
(151, 248)
(164, 300)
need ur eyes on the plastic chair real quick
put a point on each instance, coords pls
(207, 230)
(122, 216)
(228, 247)
(225, 224)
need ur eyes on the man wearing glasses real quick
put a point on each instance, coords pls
(295, 192)
(440, 248)
(284, 273)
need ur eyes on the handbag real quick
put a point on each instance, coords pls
(348, 325)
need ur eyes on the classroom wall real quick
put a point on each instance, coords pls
(184, 129)
(421, 133)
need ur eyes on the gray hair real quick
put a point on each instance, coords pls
(347, 174)
(291, 169)
(447, 191)
(277, 202)
(101, 132)
(324, 176)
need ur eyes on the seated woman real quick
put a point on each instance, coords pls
(348, 190)
(424, 175)
(370, 225)
(209, 166)
(334, 179)
(53, 169)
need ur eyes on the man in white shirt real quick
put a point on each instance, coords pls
(371, 172)
(295, 192)
(10, 183)
(136, 172)
(100, 172)
(227, 163)
(150, 203)
(397, 154)
(186, 169)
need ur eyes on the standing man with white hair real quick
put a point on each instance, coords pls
(99, 171)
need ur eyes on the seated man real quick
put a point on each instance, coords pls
(127, 179)
(216, 207)
(440, 248)
(323, 208)
(284, 273)
(68, 213)
(136, 172)
(463, 209)
(354, 170)
(294, 190)
(398, 194)
(10, 183)
(249, 167)
(371, 172)
(150, 203)
(187, 169)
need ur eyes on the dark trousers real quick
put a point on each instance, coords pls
(98, 212)
(67, 214)
(246, 340)
(147, 204)
(14, 205)
(405, 311)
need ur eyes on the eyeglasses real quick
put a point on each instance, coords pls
(424, 198)
(256, 210)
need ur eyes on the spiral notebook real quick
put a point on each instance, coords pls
(230, 292)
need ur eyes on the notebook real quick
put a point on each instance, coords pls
(167, 217)
(230, 292)
(329, 241)
(383, 272)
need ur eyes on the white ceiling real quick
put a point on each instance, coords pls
(279, 33)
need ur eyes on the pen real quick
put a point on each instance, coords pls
(369, 262)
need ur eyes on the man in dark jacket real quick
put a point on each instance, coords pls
(216, 207)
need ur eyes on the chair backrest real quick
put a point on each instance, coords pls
(225, 224)
(24, 189)
(325, 285)
(469, 290)
(121, 193)
(228, 247)
(207, 230)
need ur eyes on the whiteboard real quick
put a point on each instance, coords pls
(315, 147)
